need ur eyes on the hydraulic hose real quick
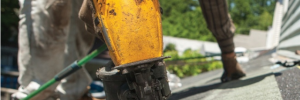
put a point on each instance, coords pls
(67, 71)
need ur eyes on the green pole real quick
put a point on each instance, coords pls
(92, 55)
(67, 71)
(43, 87)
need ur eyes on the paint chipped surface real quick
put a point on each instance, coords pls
(138, 1)
(112, 12)
(133, 29)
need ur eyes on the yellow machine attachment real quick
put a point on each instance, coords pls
(131, 29)
(132, 32)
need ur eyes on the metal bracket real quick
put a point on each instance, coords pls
(140, 62)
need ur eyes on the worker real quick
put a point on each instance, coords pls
(51, 36)
(220, 24)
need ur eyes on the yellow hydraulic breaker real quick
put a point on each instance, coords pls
(133, 34)
(131, 29)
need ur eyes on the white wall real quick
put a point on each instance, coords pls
(290, 31)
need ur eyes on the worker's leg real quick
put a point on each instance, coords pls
(42, 38)
(49, 40)
(78, 44)
(220, 24)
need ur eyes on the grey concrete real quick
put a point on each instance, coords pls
(288, 82)
(259, 84)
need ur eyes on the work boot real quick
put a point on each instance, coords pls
(232, 70)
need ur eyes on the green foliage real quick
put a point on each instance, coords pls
(181, 18)
(173, 54)
(190, 53)
(9, 22)
(184, 18)
(251, 14)
(170, 47)
(190, 67)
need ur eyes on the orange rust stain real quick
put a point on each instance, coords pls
(102, 5)
(112, 12)
(133, 29)
(138, 1)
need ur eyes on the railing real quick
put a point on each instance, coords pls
(6, 93)
(8, 84)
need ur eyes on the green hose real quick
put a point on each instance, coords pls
(43, 87)
(92, 55)
(67, 71)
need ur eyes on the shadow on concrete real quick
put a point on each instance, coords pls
(217, 79)
(201, 89)
(277, 74)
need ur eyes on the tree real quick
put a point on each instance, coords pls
(9, 22)
(251, 14)
(184, 18)
(181, 18)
